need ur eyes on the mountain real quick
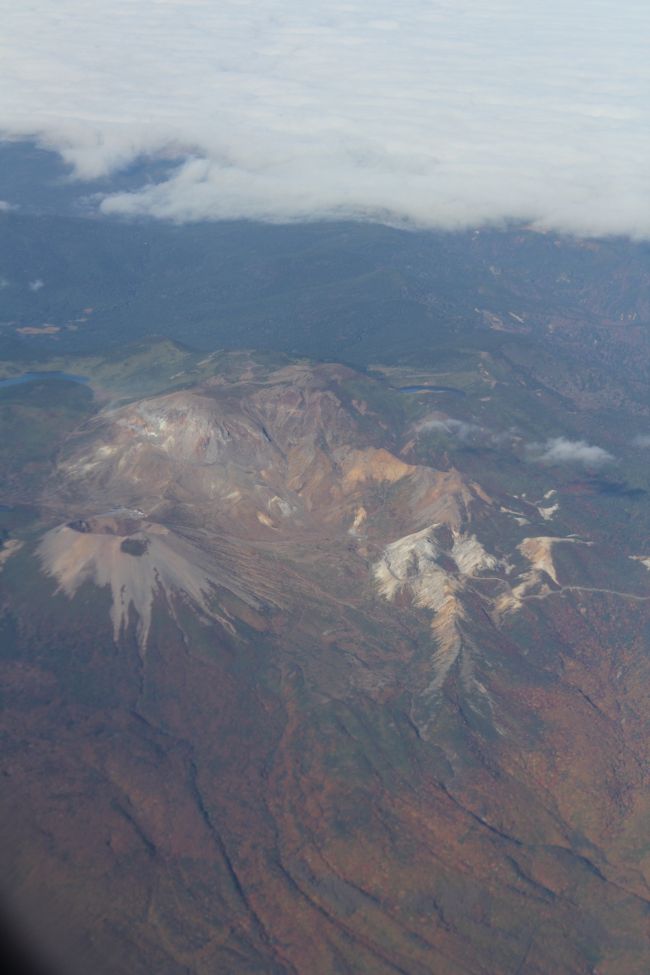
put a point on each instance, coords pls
(312, 667)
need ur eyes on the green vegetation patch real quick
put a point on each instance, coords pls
(35, 418)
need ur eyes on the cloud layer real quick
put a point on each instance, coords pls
(452, 427)
(448, 114)
(559, 450)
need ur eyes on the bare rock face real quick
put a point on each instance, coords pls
(257, 467)
(138, 561)
(434, 578)
(204, 488)
(310, 698)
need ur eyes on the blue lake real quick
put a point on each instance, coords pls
(31, 377)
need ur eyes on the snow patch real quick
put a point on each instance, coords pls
(9, 548)
(548, 512)
(643, 559)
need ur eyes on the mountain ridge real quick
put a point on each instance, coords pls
(303, 672)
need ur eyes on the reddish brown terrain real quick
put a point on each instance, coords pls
(303, 674)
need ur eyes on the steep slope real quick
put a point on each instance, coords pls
(293, 685)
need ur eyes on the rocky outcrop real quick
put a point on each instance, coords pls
(284, 692)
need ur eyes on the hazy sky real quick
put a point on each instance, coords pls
(446, 113)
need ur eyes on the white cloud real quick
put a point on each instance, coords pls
(455, 428)
(447, 113)
(559, 450)
(467, 431)
(643, 440)
(37, 284)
